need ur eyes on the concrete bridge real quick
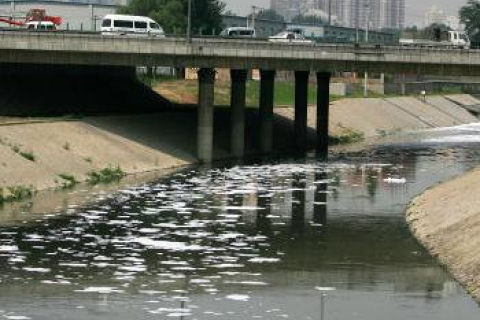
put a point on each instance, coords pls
(239, 56)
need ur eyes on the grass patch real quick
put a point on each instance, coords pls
(347, 136)
(15, 193)
(69, 180)
(186, 91)
(25, 154)
(66, 146)
(105, 175)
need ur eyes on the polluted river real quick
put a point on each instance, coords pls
(278, 239)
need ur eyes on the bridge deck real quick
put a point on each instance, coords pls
(95, 49)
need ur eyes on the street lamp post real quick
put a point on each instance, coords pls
(189, 22)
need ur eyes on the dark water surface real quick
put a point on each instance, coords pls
(293, 239)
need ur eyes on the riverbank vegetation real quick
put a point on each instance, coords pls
(15, 193)
(105, 175)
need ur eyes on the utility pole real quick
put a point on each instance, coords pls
(189, 22)
(367, 22)
(329, 13)
(254, 12)
(367, 19)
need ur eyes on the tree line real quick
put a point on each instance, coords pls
(172, 14)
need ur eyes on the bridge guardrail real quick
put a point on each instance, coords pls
(222, 41)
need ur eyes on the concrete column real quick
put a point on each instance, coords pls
(237, 112)
(301, 109)
(206, 80)
(323, 108)
(267, 89)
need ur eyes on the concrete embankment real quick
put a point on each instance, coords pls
(446, 219)
(38, 154)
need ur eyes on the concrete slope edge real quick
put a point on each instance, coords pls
(446, 221)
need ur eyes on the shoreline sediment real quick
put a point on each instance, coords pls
(446, 220)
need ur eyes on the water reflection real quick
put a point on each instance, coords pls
(241, 242)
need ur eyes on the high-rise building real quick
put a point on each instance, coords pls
(287, 8)
(378, 14)
(435, 15)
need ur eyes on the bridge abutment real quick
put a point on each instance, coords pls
(301, 109)
(237, 112)
(267, 90)
(323, 112)
(206, 79)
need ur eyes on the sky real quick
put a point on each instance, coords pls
(415, 8)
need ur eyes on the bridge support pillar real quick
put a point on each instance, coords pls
(301, 109)
(323, 109)
(267, 89)
(206, 79)
(237, 112)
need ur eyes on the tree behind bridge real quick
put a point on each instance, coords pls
(470, 16)
(172, 14)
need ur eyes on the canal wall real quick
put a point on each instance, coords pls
(446, 219)
(40, 154)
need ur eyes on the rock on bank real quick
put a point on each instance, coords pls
(446, 219)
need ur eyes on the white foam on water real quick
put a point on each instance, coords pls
(454, 139)
(395, 180)
(325, 288)
(264, 260)
(471, 127)
(133, 268)
(167, 245)
(8, 248)
(40, 270)
(247, 283)
(238, 297)
(100, 290)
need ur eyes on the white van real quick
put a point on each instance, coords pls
(238, 32)
(121, 24)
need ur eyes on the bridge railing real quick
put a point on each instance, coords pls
(213, 40)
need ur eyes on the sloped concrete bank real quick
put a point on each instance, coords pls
(38, 154)
(446, 220)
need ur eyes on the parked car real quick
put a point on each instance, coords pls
(239, 32)
(290, 37)
(40, 25)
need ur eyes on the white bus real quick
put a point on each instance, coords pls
(121, 24)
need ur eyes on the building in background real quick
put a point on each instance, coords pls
(435, 15)
(453, 22)
(379, 14)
